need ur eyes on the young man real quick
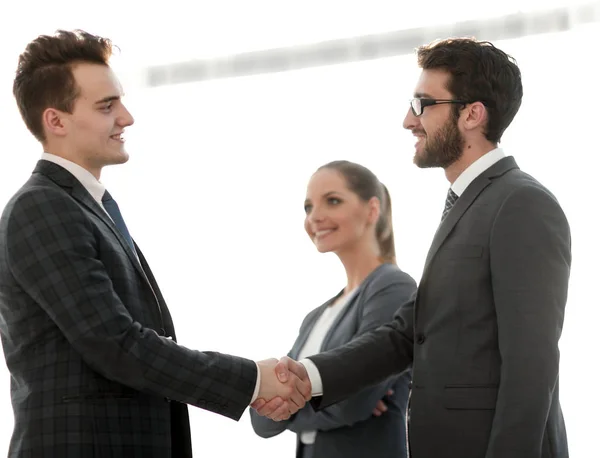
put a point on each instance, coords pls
(88, 339)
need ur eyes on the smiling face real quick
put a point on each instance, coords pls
(439, 140)
(337, 219)
(92, 135)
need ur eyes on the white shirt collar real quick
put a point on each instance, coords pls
(89, 181)
(476, 169)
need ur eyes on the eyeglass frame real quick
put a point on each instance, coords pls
(431, 102)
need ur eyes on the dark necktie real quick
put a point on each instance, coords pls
(451, 199)
(113, 210)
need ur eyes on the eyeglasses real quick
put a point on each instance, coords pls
(418, 104)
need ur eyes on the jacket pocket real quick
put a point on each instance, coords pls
(470, 397)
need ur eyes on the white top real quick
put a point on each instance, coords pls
(313, 343)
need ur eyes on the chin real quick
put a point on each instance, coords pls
(122, 158)
(423, 161)
(324, 248)
(418, 159)
(321, 249)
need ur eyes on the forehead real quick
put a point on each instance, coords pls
(433, 84)
(96, 81)
(326, 180)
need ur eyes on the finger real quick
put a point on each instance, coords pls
(390, 392)
(270, 407)
(258, 404)
(297, 400)
(285, 416)
(281, 413)
(304, 388)
(381, 406)
(377, 412)
(294, 367)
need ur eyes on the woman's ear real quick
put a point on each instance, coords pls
(374, 206)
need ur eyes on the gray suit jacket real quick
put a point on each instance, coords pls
(482, 332)
(348, 429)
(85, 331)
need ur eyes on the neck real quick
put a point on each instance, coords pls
(472, 151)
(358, 265)
(74, 158)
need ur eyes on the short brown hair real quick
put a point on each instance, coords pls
(361, 181)
(478, 72)
(44, 75)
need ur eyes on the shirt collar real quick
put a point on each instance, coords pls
(476, 169)
(89, 181)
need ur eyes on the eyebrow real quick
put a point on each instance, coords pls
(423, 95)
(327, 194)
(110, 98)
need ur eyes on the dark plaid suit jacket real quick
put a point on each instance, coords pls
(88, 339)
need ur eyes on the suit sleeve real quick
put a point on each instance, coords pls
(530, 255)
(379, 308)
(52, 251)
(372, 357)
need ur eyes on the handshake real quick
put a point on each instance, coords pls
(284, 388)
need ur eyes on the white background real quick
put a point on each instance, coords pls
(214, 189)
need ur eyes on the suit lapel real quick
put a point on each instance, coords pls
(347, 306)
(349, 301)
(461, 205)
(166, 319)
(67, 181)
(464, 202)
(303, 337)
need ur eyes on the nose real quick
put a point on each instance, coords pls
(125, 119)
(410, 120)
(316, 215)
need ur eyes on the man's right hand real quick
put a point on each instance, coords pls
(284, 388)
(281, 392)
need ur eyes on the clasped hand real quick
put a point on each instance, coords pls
(284, 388)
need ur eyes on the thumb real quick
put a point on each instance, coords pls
(282, 370)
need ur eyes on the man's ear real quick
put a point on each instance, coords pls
(54, 122)
(474, 116)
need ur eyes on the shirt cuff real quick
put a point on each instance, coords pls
(313, 376)
(257, 386)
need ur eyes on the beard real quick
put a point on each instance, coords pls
(444, 148)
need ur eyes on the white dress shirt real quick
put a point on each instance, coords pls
(89, 181)
(313, 343)
(96, 190)
(459, 186)
(475, 169)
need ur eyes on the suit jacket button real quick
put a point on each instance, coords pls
(420, 339)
